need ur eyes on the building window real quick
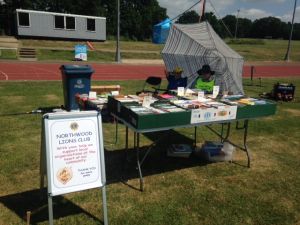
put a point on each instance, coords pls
(70, 23)
(24, 19)
(59, 22)
(90, 25)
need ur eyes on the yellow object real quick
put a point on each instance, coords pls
(178, 70)
(246, 101)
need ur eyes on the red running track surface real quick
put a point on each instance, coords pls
(51, 71)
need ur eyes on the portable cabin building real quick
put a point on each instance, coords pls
(30, 23)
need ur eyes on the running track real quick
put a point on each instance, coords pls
(51, 71)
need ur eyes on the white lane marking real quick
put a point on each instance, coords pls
(4, 74)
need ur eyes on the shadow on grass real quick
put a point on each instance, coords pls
(36, 202)
(121, 165)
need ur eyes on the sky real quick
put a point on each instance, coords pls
(251, 9)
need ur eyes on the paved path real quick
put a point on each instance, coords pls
(11, 70)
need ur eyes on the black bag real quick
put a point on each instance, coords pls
(283, 92)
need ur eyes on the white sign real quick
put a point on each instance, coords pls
(216, 90)
(200, 95)
(92, 95)
(81, 52)
(180, 91)
(222, 113)
(74, 149)
(115, 93)
(147, 101)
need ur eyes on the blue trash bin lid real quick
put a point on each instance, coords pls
(77, 69)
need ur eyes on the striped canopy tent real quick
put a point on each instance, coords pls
(194, 45)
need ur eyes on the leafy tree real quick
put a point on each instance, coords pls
(267, 27)
(244, 28)
(214, 22)
(230, 22)
(296, 31)
(189, 17)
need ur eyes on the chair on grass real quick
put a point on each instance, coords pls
(151, 85)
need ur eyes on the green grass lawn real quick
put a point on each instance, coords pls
(250, 49)
(8, 54)
(177, 191)
(99, 56)
(271, 50)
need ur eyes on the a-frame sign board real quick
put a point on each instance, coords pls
(72, 153)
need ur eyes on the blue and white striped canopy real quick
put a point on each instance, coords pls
(193, 45)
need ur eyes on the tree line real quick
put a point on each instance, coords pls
(268, 27)
(139, 16)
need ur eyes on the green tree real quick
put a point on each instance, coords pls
(296, 31)
(189, 17)
(214, 22)
(244, 28)
(267, 27)
(230, 22)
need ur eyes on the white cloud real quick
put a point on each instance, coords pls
(253, 14)
(288, 16)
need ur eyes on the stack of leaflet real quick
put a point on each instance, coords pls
(122, 98)
(215, 104)
(135, 98)
(180, 150)
(190, 104)
(242, 100)
(98, 103)
(167, 107)
(167, 96)
(141, 110)
(251, 101)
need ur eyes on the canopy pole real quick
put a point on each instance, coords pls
(118, 54)
(287, 55)
(203, 11)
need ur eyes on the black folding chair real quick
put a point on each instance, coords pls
(151, 85)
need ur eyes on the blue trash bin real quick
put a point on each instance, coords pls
(76, 79)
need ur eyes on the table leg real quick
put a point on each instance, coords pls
(227, 132)
(126, 138)
(138, 161)
(116, 134)
(126, 158)
(245, 141)
(195, 137)
(222, 131)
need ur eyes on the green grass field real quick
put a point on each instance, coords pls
(177, 191)
(8, 54)
(257, 50)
